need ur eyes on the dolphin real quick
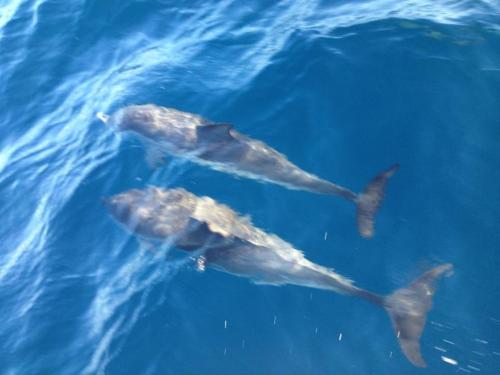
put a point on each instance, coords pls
(230, 243)
(221, 147)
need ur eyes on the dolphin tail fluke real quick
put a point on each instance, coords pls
(369, 201)
(408, 308)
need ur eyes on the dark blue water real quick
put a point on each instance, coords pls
(343, 88)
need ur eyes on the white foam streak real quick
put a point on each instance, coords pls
(108, 317)
(56, 150)
(100, 358)
(7, 12)
(444, 12)
(33, 238)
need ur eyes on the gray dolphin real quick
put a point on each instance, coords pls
(221, 147)
(230, 243)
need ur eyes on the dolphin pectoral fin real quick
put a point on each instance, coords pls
(215, 132)
(408, 308)
(369, 201)
(155, 157)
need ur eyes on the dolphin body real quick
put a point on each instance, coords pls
(230, 243)
(221, 147)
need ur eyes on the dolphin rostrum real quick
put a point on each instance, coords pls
(228, 242)
(221, 147)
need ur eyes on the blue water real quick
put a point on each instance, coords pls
(343, 88)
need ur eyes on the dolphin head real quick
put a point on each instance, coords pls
(136, 118)
(153, 213)
(122, 207)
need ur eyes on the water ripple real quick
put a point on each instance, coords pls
(62, 62)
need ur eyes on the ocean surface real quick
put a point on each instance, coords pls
(343, 88)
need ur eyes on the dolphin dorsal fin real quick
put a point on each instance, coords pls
(216, 132)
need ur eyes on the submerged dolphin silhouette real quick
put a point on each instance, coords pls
(222, 148)
(232, 244)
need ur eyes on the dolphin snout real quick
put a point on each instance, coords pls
(103, 117)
